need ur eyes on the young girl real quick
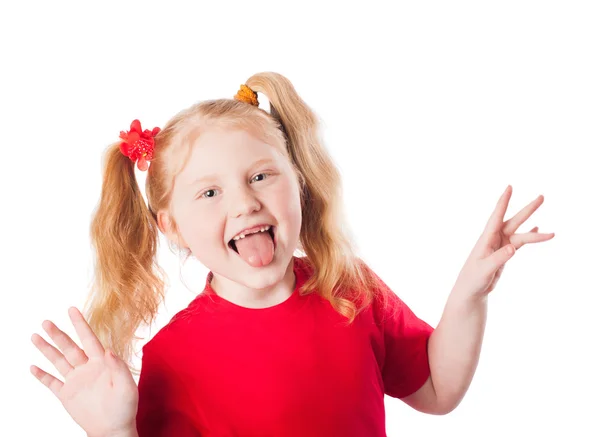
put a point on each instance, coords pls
(276, 344)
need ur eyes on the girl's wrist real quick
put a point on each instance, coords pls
(129, 432)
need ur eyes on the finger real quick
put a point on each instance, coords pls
(48, 380)
(496, 220)
(497, 277)
(73, 353)
(497, 259)
(511, 226)
(519, 240)
(90, 342)
(52, 354)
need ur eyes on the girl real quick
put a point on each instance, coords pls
(276, 344)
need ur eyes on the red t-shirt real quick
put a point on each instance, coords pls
(293, 369)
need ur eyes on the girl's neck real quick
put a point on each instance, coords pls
(252, 298)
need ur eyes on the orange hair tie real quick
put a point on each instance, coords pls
(246, 95)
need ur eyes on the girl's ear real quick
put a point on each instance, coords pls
(168, 228)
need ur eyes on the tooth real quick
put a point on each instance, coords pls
(263, 229)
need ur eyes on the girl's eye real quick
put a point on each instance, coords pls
(205, 194)
(260, 174)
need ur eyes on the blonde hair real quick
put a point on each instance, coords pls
(129, 285)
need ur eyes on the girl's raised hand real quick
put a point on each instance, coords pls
(98, 391)
(496, 245)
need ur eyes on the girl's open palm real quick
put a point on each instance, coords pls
(98, 389)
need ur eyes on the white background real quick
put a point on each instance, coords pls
(430, 109)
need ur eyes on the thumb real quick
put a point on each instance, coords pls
(500, 257)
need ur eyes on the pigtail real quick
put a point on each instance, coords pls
(340, 276)
(128, 285)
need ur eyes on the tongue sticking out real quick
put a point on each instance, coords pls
(256, 249)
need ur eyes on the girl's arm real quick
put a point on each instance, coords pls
(132, 432)
(455, 345)
(454, 348)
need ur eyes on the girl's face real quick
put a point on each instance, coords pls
(234, 181)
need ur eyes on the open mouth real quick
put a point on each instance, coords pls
(271, 232)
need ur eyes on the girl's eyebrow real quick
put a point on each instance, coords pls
(211, 177)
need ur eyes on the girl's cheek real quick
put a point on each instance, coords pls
(284, 189)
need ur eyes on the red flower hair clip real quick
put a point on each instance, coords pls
(138, 145)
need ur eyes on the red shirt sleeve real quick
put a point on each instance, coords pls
(165, 408)
(406, 364)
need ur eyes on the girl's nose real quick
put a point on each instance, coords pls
(243, 203)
